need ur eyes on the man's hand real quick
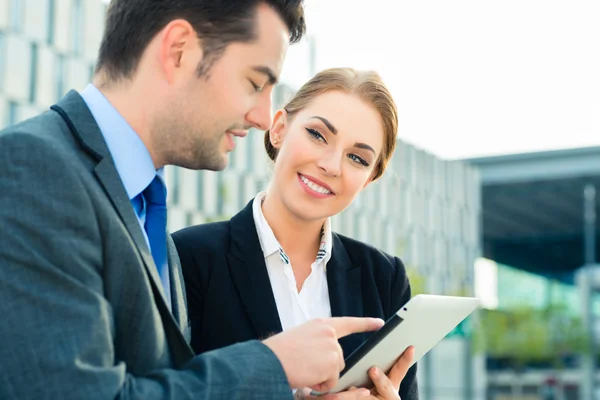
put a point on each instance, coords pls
(310, 353)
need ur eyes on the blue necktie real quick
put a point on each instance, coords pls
(156, 229)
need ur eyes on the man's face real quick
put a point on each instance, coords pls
(205, 114)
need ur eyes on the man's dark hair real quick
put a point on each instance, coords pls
(131, 25)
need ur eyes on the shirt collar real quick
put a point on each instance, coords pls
(266, 237)
(131, 157)
(326, 242)
(269, 243)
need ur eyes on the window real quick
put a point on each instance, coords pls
(241, 191)
(77, 33)
(12, 113)
(250, 147)
(232, 158)
(200, 191)
(60, 72)
(2, 58)
(16, 15)
(221, 194)
(33, 72)
(189, 219)
(51, 17)
(175, 186)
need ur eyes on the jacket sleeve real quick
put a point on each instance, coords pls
(57, 330)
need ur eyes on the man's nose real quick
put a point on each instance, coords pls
(260, 116)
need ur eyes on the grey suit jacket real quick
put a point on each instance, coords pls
(82, 311)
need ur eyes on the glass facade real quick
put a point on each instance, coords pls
(77, 27)
(16, 15)
(33, 72)
(3, 57)
(51, 21)
(12, 113)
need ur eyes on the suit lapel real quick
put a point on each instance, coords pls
(249, 273)
(178, 298)
(109, 178)
(345, 294)
(85, 130)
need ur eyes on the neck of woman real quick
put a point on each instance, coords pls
(296, 236)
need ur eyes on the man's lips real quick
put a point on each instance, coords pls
(238, 132)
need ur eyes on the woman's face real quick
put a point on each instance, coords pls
(327, 154)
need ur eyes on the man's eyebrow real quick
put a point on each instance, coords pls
(268, 72)
(328, 124)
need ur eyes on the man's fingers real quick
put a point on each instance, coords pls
(399, 370)
(342, 362)
(345, 326)
(325, 386)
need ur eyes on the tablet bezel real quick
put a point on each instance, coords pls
(433, 314)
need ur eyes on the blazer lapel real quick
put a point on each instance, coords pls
(345, 293)
(179, 306)
(249, 273)
(85, 130)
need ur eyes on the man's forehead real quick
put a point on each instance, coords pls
(273, 39)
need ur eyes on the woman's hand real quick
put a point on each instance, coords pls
(386, 387)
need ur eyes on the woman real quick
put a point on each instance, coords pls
(277, 263)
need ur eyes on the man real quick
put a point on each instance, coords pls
(91, 294)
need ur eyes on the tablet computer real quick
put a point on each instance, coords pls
(422, 322)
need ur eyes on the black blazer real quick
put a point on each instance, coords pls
(230, 298)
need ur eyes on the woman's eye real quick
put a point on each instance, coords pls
(315, 134)
(358, 159)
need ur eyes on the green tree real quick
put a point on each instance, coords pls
(525, 334)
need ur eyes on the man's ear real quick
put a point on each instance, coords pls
(278, 128)
(179, 49)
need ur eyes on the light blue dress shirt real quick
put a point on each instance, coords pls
(131, 157)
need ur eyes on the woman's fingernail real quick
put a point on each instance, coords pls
(366, 393)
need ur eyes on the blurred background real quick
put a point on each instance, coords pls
(491, 192)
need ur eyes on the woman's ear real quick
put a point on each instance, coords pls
(278, 128)
(371, 178)
(367, 183)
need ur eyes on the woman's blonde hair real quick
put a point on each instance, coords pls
(368, 86)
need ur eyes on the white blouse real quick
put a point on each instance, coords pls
(312, 301)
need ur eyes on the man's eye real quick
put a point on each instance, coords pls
(256, 87)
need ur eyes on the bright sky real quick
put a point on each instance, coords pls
(471, 77)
